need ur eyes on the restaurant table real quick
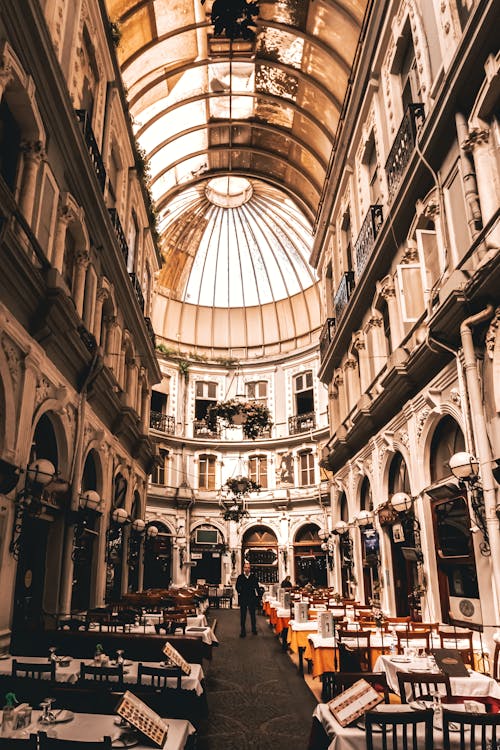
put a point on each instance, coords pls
(71, 673)
(476, 685)
(93, 727)
(353, 738)
(297, 636)
(194, 628)
(323, 654)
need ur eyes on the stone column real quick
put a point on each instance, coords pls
(145, 408)
(353, 387)
(131, 383)
(33, 156)
(480, 143)
(63, 219)
(388, 292)
(89, 299)
(81, 263)
(364, 362)
(110, 350)
(101, 296)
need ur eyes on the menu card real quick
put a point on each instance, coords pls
(325, 624)
(174, 656)
(284, 598)
(301, 611)
(143, 718)
(354, 702)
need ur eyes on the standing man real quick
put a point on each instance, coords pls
(247, 587)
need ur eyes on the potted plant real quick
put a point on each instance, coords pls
(253, 417)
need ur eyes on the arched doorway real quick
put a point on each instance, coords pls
(84, 543)
(455, 559)
(158, 557)
(400, 532)
(309, 559)
(34, 590)
(114, 543)
(207, 546)
(259, 547)
(370, 548)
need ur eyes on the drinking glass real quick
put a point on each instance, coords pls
(52, 653)
(47, 716)
(119, 656)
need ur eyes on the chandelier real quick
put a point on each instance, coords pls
(234, 496)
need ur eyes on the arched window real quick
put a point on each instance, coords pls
(206, 472)
(161, 468)
(447, 439)
(257, 467)
(257, 391)
(399, 480)
(365, 495)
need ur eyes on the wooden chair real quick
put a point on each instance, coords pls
(396, 623)
(91, 673)
(9, 743)
(336, 682)
(358, 641)
(415, 686)
(496, 663)
(459, 640)
(157, 676)
(398, 730)
(413, 638)
(476, 731)
(49, 743)
(34, 669)
(432, 626)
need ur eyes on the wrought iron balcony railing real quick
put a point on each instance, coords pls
(326, 336)
(403, 146)
(87, 338)
(162, 422)
(343, 294)
(151, 332)
(301, 423)
(93, 148)
(366, 238)
(137, 289)
(201, 430)
(120, 234)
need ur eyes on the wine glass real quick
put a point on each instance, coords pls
(52, 653)
(119, 656)
(47, 716)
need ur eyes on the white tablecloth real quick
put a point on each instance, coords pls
(476, 685)
(352, 738)
(72, 672)
(93, 727)
(309, 625)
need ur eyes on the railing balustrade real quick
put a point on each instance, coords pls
(120, 234)
(137, 289)
(366, 238)
(326, 336)
(162, 422)
(403, 146)
(343, 294)
(301, 423)
(93, 148)
(151, 331)
(201, 430)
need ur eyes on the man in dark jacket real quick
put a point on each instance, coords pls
(247, 587)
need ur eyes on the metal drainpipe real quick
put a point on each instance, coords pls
(481, 440)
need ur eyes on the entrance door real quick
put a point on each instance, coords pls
(30, 579)
(208, 568)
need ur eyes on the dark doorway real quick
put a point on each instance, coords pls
(30, 579)
(208, 566)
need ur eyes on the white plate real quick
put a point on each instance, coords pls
(420, 705)
(400, 659)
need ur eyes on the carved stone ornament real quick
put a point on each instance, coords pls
(13, 358)
(404, 439)
(43, 390)
(491, 334)
(477, 137)
(421, 419)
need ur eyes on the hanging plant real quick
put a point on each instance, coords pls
(234, 19)
(254, 418)
(241, 486)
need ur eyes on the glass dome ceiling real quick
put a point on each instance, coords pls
(234, 242)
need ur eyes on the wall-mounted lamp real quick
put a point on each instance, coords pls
(152, 531)
(341, 527)
(39, 474)
(138, 527)
(120, 516)
(465, 467)
(84, 519)
(401, 502)
(364, 518)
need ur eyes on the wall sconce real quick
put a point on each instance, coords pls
(346, 548)
(364, 518)
(83, 520)
(465, 467)
(138, 527)
(39, 474)
(152, 531)
(114, 534)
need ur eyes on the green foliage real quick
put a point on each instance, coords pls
(255, 417)
(116, 33)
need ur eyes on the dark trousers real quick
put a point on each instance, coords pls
(244, 606)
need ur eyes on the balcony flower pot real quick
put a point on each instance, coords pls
(254, 418)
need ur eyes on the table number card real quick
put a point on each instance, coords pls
(301, 611)
(325, 624)
(354, 702)
(143, 718)
(174, 656)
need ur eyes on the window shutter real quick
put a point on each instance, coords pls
(410, 291)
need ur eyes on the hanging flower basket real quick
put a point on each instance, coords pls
(241, 486)
(254, 418)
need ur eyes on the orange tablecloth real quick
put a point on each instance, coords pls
(323, 657)
(298, 639)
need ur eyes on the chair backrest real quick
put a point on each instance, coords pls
(349, 659)
(415, 638)
(47, 743)
(496, 662)
(101, 674)
(9, 743)
(398, 729)
(355, 638)
(33, 669)
(157, 676)
(461, 641)
(335, 683)
(417, 685)
(483, 734)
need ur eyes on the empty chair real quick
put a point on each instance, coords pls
(89, 672)
(349, 659)
(47, 743)
(421, 686)
(476, 731)
(9, 743)
(335, 683)
(359, 642)
(157, 676)
(496, 663)
(396, 623)
(461, 641)
(410, 730)
(36, 670)
(413, 639)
